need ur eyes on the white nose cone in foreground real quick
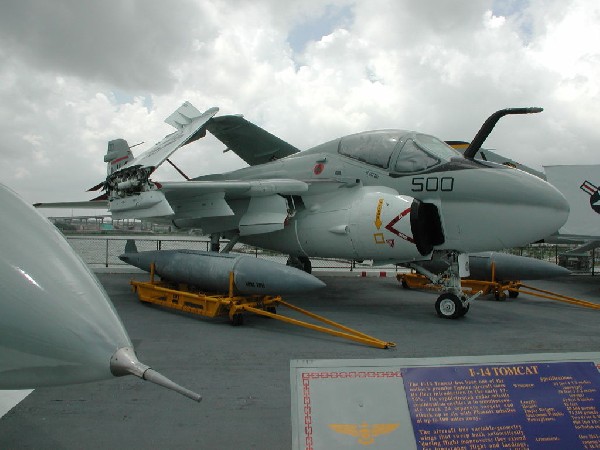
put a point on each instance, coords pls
(57, 325)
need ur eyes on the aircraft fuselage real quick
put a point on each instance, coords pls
(471, 205)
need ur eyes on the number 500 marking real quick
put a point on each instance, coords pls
(433, 184)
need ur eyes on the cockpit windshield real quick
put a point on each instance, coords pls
(371, 147)
(436, 147)
(421, 152)
(415, 152)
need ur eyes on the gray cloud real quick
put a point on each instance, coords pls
(132, 44)
(75, 74)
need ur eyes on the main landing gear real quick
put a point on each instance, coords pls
(453, 303)
(300, 262)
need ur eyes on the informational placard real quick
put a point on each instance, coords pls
(336, 413)
(520, 406)
(544, 401)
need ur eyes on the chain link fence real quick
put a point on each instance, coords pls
(98, 251)
(104, 251)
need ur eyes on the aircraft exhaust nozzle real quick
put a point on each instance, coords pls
(124, 362)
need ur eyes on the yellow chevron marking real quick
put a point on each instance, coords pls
(378, 221)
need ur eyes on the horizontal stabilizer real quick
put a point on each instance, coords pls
(95, 188)
(90, 204)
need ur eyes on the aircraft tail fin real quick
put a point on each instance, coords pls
(130, 246)
(117, 155)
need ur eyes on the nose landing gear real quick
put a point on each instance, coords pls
(451, 306)
(453, 303)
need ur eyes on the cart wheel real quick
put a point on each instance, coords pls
(404, 283)
(499, 296)
(448, 306)
(237, 320)
(271, 309)
(513, 294)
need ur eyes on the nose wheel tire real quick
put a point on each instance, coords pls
(449, 306)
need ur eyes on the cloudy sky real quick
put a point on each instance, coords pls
(77, 73)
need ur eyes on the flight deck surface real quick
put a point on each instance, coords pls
(243, 372)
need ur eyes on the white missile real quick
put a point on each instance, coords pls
(57, 324)
(210, 271)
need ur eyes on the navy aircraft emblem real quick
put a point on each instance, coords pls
(365, 433)
(592, 191)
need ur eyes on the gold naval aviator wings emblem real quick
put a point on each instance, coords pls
(364, 432)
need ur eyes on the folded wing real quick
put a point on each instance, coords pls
(250, 142)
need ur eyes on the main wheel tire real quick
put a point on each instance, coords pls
(448, 306)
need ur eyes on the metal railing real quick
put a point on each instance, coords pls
(104, 250)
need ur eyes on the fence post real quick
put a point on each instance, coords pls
(106, 252)
(593, 261)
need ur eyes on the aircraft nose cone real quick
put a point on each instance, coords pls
(495, 208)
(536, 209)
(551, 205)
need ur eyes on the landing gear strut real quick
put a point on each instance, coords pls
(300, 262)
(453, 303)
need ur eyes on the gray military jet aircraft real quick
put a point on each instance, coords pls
(391, 196)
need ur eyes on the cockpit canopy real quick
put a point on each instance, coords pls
(396, 150)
